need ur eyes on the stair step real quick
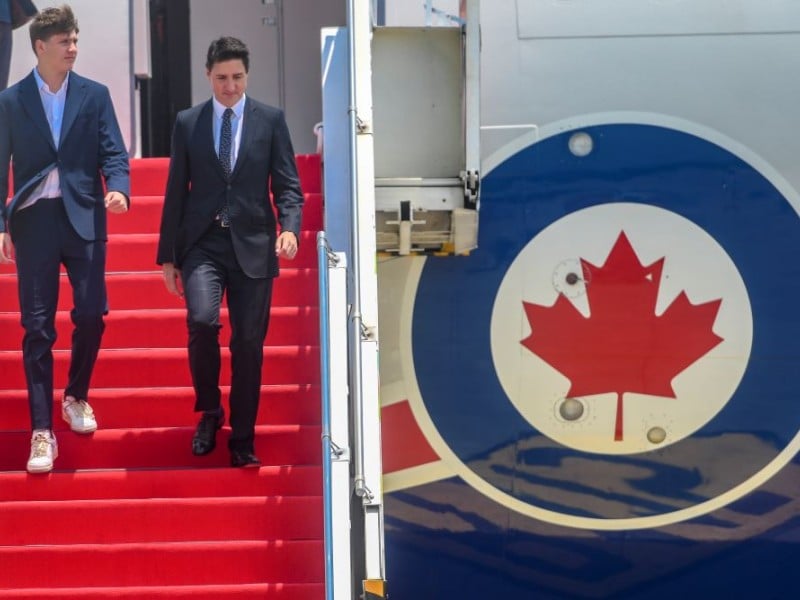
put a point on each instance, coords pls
(162, 447)
(284, 480)
(309, 169)
(166, 328)
(145, 215)
(162, 563)
(163, 367)
(200, 519)
(253, 591)
(137, 252)
(138, 407)
(145, 290)
(149, 175)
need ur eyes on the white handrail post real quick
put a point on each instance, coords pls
(335, 420)
(364, 299)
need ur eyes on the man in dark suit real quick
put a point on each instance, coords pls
(61, 135)
(219, 236)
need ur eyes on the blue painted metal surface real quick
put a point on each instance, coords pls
(450, 539)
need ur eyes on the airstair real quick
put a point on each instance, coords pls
(401, 175)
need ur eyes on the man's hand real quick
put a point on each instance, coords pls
(172, 279)
(6, 248)
(286, 245)
(116, 202)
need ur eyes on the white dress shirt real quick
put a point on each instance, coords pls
(53, 104)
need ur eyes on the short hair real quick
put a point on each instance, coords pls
(227, 48)
(51, 21)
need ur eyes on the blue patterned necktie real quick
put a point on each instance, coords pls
(225, 142)
(225, 139)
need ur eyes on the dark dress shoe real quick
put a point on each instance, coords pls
(244, 459)
(205, 436)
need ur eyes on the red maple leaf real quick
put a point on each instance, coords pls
(623, 346)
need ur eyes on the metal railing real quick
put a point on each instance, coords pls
(323, 260)
(334, 418)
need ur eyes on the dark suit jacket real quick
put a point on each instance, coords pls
(197, 188)
(91, 145)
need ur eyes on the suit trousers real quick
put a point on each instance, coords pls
(209, 270)
(44, 239)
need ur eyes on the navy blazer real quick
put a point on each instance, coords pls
(197, 187)
(91, 149)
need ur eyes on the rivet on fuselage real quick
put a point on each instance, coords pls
(571, 409)
(656, 435)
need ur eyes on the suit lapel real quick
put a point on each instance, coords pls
(32, 104)
(76, 93)
(205, 131)
(249, 119)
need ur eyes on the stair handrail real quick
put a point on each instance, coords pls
(363, 298)
(335, 486)
(324, 352)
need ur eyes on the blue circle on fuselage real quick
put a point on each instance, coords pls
(633, 163)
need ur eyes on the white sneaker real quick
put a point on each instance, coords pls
(44, 450)
(79, 415)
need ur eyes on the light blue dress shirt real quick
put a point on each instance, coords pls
(236, 127)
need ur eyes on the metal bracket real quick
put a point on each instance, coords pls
(405, 220)
(472, 184)
(362, 126)
(338, 453)
(362, 491)
(367, 333)
(333, 258)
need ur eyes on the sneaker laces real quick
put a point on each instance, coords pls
(40, 445)
(81, 408)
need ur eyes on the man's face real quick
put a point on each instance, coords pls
(228, 81)
(58, 52)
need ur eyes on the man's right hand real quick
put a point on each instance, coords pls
(6, 248)
(172, 279)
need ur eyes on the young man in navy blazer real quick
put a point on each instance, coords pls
(61, 135)
(219, 236)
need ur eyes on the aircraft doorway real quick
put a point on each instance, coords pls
(180, 31)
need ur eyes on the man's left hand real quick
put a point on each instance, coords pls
(6, 248)
(286, 245)
(116, 202)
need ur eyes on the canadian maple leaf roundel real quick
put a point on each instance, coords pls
(623, 346)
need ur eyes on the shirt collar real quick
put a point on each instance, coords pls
(238, 108)
(41, 85)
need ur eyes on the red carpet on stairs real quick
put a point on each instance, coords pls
(128, 511)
